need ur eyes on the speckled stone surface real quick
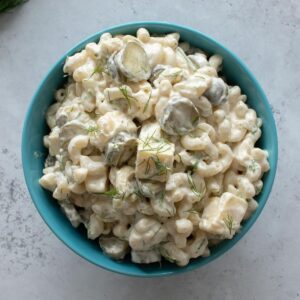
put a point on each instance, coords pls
(264, 265)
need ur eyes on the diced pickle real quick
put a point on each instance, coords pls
(180, 116)
(120, 148)
(217, 92)
(132, 62)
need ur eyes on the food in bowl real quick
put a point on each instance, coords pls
(151, 150)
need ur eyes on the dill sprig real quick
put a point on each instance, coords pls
(147, 103)
(6, 5)
(129, 98)
(201, 244)
(186, 58)
(160, 145)
(195, 120)
(62, 160)
(193, 187)
(161, 168)
(192, 211)
(148, 139)
(194, 166)
(253, 166)
(92, 130)
(156, 232)
(174, 76)
(229, 222)
(101, 67)
(138, 192)
(114, 193)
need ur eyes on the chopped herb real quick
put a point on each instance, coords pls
(92, 130)
(148, 139)
(192, 211)
(173, 76)
(161, 196)
(114, 193)
(101, 67)
(160, 145)
(156, 232)
(62, 160)
(147, 103)
(194, 188)
(201, 244)
(195, 120)
(161, 168)
(186, 58)
(195, 165)
(124, 91)
(137, 191)
(253, 167)
(229, 222)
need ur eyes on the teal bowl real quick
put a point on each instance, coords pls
(34, 153)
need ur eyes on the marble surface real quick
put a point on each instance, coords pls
(264, 265)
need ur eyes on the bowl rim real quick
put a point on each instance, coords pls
(272, 172)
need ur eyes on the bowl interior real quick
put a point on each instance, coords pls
(34, 153)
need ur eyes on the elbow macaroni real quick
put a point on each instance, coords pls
(129, 160)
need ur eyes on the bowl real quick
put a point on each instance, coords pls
(34, 153)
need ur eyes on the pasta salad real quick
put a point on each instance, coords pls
(151, 150)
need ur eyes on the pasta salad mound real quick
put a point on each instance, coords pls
(151, 150)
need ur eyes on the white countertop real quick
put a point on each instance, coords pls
(263, 265)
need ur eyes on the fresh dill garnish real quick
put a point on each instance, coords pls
(150, 143)
(229, 222)
(113, 192)
(148, 139)
(156, 232)
(201, 244)
(194, 166)
(138, 192)
(147, 103)
(128, 98)
(186, 58)
(6, 5)
(194, 188)
(92, 130)
(138, 189)
(253, 166)
(161, 168)
(101, 67)
(62, 160)
(195, 120)
(192, 211)
(173, 76)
